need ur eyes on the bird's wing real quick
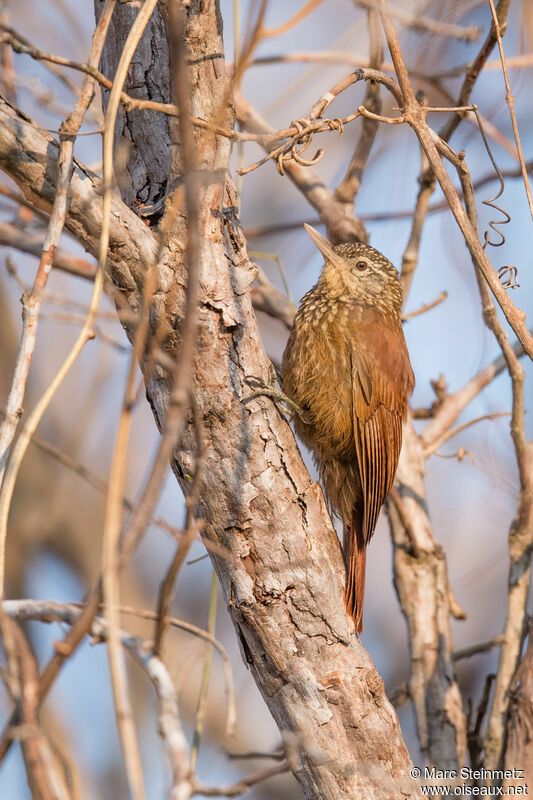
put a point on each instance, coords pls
(381, 382)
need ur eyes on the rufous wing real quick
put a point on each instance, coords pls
(380, 389)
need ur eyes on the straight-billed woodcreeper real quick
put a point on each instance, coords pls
(347, 367)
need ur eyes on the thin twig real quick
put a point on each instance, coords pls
(244, 785)
(45, 776)
(436, 444)
(277, 755)
(509, 99)
(178, 401)
(415, 115)
(33, 301)
(206, 671)
(85, 335)
(341, 225)
(113, 515)
(421, 22)
(168, 708)
(481, 647)
(350, 184)
(27, 242)
(268, 33)
(426, 183)
(425, 307)
(353, 60)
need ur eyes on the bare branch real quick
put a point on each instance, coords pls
(27, 242)
(349, 186)
(236, 789)
(341, 226)
(45, 775)
(168, 712)
(415, 115)
(419, 22)
(32, 303)
(475, 68)
(521, 530)
(510, 102)
(421, 580)
(436, 444)
(481, 647)
(425, 307)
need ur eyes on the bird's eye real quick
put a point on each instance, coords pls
(361, 265)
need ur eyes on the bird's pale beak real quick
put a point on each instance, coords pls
(324, 246)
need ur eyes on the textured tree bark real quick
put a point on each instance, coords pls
(519, 752)
(421, 581)
(283, 583)
(142, 137)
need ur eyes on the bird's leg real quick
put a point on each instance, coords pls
(277, 396)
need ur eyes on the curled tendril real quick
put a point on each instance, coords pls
(508, 277)
(294, 149)
(336, 125)
(493, 224)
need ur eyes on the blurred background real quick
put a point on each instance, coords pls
(54, 545)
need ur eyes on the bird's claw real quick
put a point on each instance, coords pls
(278, 397)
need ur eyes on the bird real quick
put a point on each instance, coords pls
(346, 368)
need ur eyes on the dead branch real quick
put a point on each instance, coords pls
(349, 186)
(421, 582)
(32, 302)
(415, 115)
(475, 68)
(341, 225)
(31, 243)
(481, 647)
(419, 22)
(511, 104)
(45, 776)
(168, 709)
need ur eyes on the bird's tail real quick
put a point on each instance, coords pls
(355, 554)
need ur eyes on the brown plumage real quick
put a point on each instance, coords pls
(346, 365)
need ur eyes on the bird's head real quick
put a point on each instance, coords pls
(361, 272)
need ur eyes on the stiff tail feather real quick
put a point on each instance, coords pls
(355, 553)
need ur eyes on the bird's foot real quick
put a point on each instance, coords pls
(263, 389)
